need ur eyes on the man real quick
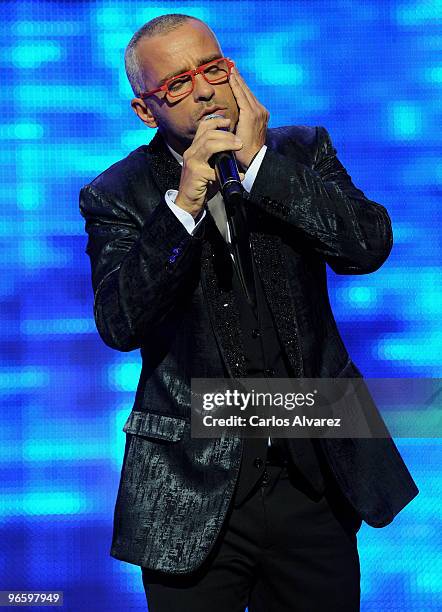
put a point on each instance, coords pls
(226, 523)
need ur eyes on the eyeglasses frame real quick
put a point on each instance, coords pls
(192, 74)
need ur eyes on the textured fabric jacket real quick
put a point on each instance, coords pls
(169, 293)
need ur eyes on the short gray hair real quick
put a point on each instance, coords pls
(159, 25)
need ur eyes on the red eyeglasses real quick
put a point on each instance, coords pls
(216, 71)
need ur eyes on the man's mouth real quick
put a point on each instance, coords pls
(219, 110)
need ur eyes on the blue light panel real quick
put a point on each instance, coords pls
(371, 73)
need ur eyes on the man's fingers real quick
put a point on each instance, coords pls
(213, 142)
(242, 88)
(239, 93)
(219, 136)
(212, 124)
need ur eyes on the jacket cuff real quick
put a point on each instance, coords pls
(165, 232)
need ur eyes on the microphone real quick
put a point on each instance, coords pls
(227, 173)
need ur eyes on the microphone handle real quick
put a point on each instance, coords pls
(228, 178)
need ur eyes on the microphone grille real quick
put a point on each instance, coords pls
(214, 116)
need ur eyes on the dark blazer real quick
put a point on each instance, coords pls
(169, 293)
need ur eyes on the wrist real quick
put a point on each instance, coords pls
(245, 164)
(189, 207)
(253, 158)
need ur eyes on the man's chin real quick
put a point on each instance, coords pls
(178, 143)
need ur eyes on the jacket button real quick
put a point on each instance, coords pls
(269, 372)
(258, 462)
(255, 333)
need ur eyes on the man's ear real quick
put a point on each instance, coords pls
(144, 113)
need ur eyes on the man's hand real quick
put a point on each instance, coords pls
(197, 175)
(253, 119)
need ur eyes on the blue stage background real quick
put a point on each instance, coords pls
(371, 73)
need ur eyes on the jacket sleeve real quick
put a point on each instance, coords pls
(139, 272)
(323, 207)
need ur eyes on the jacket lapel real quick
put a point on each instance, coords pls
(271, 267)
(165, 169)
(216, 279)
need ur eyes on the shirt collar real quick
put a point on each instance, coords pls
(176, 155)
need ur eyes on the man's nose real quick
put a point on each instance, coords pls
(202, 89)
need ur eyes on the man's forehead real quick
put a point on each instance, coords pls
(170, 53)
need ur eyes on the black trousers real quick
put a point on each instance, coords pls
(279, 551)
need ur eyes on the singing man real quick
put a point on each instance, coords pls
(223, 523)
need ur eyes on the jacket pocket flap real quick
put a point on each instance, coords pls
(154, 425)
